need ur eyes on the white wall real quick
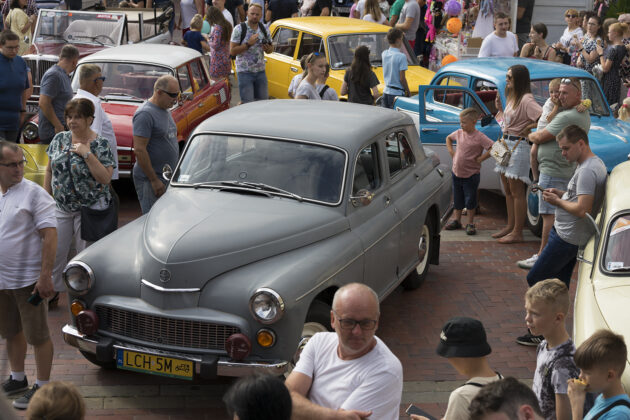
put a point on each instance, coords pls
(551, 13)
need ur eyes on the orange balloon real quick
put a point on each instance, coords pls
(454, 25)
(448, 59)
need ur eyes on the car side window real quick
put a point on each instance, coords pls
(454, 99)
(487, 92)
(399, 153)
(310, 43)
(285, 41)
(367, 174)
(444, 96)
(184, 79)
(199, 76)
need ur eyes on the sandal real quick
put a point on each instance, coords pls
(453, 225)
(470, 229)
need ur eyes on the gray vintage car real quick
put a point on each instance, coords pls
(272, 207)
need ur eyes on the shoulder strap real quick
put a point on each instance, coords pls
(546, 54)
(324, 89)
(262, 28)
(476, 383)
(243, 32)
(610, 407)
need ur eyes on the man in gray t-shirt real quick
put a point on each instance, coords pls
(155, 141)
(409, 20)
(584, 195)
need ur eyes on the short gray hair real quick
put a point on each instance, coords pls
(87, 72)
(359, 286)
(162, 82)
(9, 145)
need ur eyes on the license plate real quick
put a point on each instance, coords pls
(32, 109)
(154, 364)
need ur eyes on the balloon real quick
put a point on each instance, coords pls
(452, 8)
(205, 29)
(448, 59)
(454, 25)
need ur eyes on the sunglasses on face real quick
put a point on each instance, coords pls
(14, 165)
(171, 94)
(508, 77)
(571, 16)
(102, 79)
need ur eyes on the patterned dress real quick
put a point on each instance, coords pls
(72, 182)
(219, 54)
(611, 81)
(589, 45)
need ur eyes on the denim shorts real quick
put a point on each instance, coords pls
(546, 181)
(465, 192)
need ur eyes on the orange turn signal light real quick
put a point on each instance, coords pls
(76, 307)
(265, 338)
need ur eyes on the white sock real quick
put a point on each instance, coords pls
(41, 383)
(17, 376)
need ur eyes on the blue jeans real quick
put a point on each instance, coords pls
(557, 260)
(465, 192)
(388, 100)
(144, 190)
(252, 86)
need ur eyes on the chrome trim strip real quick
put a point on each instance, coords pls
(162, 289)
(127, 149)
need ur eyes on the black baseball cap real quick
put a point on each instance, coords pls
(463, 337)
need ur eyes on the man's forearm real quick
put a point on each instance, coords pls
(144, 161)
(304, 409)
(49, 113)
(573, 208)
(540, 137)
(49, 250)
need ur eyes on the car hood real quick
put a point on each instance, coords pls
(609, 138)
(199, 234)
(613, 303)
(121, 114)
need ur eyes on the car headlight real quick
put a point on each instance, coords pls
(266, 305)
(79, 277)
(30, 131)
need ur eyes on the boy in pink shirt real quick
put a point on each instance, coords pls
(467, 158)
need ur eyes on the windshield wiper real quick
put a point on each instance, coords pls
(268, 187)
(224, 184)
(133, 98)
(256, 186)
(55, 36)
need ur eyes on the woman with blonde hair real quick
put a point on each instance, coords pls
(315, 69)
(373, 12)
(56, 401)
(611, 62)
(19, 22)
(219, 43)
(570, 38)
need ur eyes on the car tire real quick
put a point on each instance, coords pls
(534, 221)
(317, 320)
(92, 359)
(425, 249)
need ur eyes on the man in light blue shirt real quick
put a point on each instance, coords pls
(394, 67)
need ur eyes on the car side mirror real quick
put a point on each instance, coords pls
(167, 172)
(486, 120)
(362, 198)
(187, 96)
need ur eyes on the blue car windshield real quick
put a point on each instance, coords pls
(590, 90)
(311, 171)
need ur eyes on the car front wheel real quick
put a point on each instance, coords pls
(534, 221)
(317, 320)
(425, 248)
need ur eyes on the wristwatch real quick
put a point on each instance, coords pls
(87, 154)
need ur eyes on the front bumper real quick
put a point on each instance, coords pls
(206, 366)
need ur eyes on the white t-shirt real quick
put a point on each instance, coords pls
(567, 35)
(295, 82)
(460, 398)
(495, 46)
(308, 90)
(102, 125)
(25, 208)
(228, 16)
(329, 94)
(372, 382)
(369, 18)
(361, 8)
(188, 10)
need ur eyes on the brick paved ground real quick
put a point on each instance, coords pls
(476, 277)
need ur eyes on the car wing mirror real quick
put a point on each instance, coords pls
(167, 172)
(362, 198)
(187, 96)
(486, 120)
(595, 229)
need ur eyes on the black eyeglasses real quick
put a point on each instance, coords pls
(14, 165)
(349, 324)
(171, 94)
(102, 78)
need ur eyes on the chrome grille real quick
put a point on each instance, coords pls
(164, 331)
(38, 68)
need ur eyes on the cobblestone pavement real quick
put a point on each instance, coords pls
(476, 277)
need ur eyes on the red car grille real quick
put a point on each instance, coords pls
(164, 331)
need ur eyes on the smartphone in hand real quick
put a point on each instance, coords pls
(412, 409)
(35, 299)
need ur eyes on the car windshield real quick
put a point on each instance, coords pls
(341, 49)
(299, 170)
(126, 80)
(76, 27)
(617, 255)
(590, 90)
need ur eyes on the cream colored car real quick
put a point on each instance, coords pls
(602, 297)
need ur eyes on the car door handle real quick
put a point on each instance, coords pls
(294, 69)
(417, 177)
(387, 201)
(429, 130)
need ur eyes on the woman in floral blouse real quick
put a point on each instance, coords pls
(588, 58)
(219, 44)
(80, 166)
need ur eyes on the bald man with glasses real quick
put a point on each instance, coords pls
(349, 373)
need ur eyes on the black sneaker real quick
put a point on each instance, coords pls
(11, 386)
(22, 402)
(530, 340)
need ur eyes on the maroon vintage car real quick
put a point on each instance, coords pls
(131, 72)
(89, 32)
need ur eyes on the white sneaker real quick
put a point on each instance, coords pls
(528, 263)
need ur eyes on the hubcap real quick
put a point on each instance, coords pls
(423, 248)
(309, 330)
(533, 198)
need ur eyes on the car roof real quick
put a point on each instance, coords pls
(495, 68)
(160, 54)
(328, 25)
(341, 124)
(617, 198)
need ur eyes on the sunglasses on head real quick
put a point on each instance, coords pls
(567, 81)
(171, 94)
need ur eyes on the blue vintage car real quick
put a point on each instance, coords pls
(435, 111)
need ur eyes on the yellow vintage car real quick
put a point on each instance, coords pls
(36, 162)
(602, 296)
(338, 37)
